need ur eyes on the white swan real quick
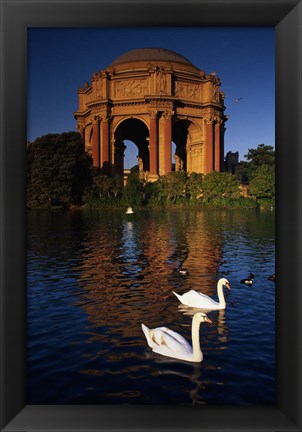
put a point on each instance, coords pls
(167, 342)
(198, 300)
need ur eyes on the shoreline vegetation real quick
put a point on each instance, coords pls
(60, 176)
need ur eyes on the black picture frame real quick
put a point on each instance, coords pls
(286, 17)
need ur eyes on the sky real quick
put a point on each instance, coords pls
(61, 60)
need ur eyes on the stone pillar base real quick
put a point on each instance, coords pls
(152, 178)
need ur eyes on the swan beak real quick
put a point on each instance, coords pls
(208, 320)
(228, 285)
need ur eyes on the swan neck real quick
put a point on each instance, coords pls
(220, 293)
(197, 353)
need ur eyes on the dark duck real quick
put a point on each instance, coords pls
(249, 280)
(272, 278)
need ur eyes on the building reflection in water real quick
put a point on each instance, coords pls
(128, 274)
(133, 265)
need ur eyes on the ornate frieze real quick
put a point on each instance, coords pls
(135, 87)
(187, 90)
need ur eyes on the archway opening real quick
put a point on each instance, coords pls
(180, 138)
(173, 155)
(189, 146)
(130, 134)
(130, 155)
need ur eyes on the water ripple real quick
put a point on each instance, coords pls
(93, 278)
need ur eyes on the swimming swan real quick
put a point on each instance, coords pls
(167, 342)
(198, 300)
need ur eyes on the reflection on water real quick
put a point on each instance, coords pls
(93, 277)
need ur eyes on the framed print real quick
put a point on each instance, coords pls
(24, 405)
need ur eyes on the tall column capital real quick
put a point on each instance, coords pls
(168, 114)
(95, 119)
(105, 117)
(153, 113)
(219, 121)
(209, 121)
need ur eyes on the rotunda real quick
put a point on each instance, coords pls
(153, 97)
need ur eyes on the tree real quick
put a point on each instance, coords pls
(172, 186)
(262, 186)
(101, 186)
(133, 193)
(262, 155)
(220, 184)
(116, 186)
(58, 170)
(194, 185)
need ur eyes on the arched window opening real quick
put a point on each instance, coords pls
(132, 147)
(130, 155)
(174, 156)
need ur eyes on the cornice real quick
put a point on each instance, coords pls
(81, 114)
(99, 103)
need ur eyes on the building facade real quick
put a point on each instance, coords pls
(153, 97)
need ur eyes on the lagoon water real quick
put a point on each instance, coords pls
(95, 276)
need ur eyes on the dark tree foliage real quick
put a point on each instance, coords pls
(134, 191)
(220, 184)
(262, 186)
(262, 155)
(103, 189)
(58, 171)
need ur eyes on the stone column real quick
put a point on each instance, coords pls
(119, 149)
(105, 145)
(217, 146)
(96, 142)
(168, 141)
(153, 143)
(222, 131)
(209, 150)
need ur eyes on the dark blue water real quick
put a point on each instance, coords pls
(94, 277)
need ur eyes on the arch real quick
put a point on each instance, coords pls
(129, 118)
(135, 130)
(88, 138)
(187, 137)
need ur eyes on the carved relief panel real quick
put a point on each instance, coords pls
(187, 90)
(135, 87)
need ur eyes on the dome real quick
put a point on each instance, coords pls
(151, 54)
